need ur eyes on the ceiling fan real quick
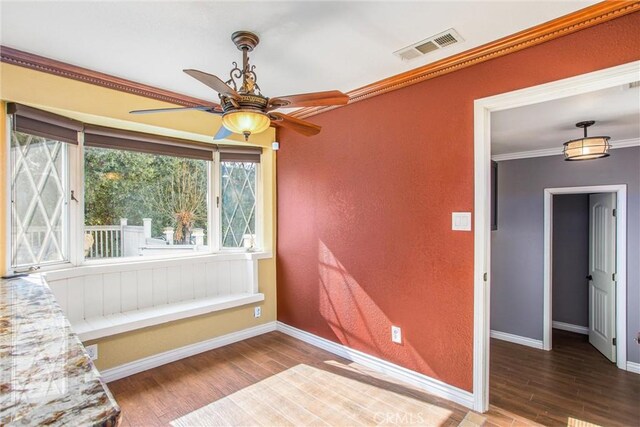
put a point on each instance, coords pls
(244, 109)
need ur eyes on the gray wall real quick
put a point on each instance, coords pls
(571, 259)
(517, 245)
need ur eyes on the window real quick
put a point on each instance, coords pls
(39, 177)
(82, 192)
(39, 209)
(238, 204)
(138, 204)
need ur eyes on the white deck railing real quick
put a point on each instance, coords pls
(107, 241)
(123, 240)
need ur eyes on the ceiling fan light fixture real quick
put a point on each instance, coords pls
(243, 108)
(246, 122)
(586, 148)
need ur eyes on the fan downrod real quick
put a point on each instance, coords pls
(245, 40)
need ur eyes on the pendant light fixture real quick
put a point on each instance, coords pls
(588, 147)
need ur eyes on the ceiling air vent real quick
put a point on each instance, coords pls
(439, 41)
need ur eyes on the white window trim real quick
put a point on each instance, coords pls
(7, 191)
(259, 213)
(75, 218)
(76, 209)
(215, 192)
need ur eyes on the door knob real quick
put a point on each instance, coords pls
(589, 277)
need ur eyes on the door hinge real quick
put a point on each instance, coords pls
(613, 277)
(217, 201)
(484, 277)
(614, 212)
(614, 341)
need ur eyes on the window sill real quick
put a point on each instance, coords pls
(100, 327)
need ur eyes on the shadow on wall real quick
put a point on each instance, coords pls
(355, 318)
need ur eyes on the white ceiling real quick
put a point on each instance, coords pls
(549, 124)
(305, 45)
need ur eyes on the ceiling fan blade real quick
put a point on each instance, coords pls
(213, 82)
(300, 126)
(223, 132)
(315, 99)
(205, 108)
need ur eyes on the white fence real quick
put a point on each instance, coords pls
(107, 241)
(112, 241)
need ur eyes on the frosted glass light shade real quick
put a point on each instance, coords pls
(589, 148)
(246, 122)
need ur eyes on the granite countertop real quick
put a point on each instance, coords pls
(46, 376)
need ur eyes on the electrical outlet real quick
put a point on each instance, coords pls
(92, 350)
(396, 334)
(257, 312)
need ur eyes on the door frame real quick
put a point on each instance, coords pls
(621, 263)
(602, 79)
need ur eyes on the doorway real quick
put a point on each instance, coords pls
(607, 221)
(603, 79)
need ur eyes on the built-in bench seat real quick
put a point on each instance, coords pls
(102, 300)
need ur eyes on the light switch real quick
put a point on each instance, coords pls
(461, 221)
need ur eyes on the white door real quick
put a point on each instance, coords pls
(602, 267)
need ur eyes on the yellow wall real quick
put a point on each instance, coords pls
(102, 106)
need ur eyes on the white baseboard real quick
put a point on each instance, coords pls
(422, 381)
(571, 328)
(633, 367)
(146, 363)
(517, 339)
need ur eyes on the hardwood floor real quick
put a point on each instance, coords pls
(573, 383)
(274, 379)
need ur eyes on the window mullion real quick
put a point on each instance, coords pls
(76, 208)
(215, 207)
(258, 207)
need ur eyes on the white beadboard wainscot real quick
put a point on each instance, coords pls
(107, 299)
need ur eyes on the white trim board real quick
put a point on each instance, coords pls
(585, 83)
(557, 151)
(156, 360)
(584, 330)
(516, 339)
(633, 367)
(431, 385)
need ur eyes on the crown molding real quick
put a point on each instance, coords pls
(557, 151)
(579, 20)
(46, 65)
(584, 18)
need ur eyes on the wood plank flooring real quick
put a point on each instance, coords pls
(573, 383)
(274, 379)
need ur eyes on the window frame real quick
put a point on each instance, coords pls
(258, 243)
(84, 261)
(67, 240)
(76, 219)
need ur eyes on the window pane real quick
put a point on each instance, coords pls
(139, 204)
(238, 204)
(38, 210)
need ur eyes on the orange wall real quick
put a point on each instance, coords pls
(364, 208)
